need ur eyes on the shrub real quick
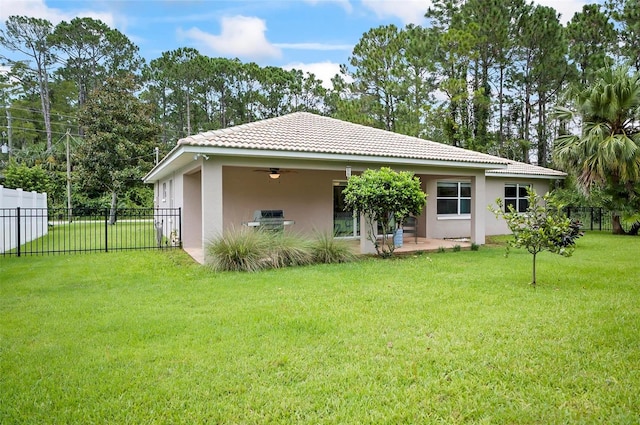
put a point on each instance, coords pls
(475, 247)
(456, 248)
(249, 250)
(327, 249)
(240, 250)
(441, 249)
(384, 196)
(288, 250)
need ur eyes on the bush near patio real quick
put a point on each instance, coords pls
(386, 198)
(251, 250)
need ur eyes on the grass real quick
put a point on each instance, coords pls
(95, 236)
(149, 337)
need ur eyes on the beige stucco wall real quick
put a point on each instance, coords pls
(454, 227)
(305, 196)
(495, 189)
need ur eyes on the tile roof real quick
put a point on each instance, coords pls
(307, 132)
(520, 168)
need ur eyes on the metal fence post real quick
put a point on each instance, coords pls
(180, 226)
(600, 218)
(18, 229)
(106, 230)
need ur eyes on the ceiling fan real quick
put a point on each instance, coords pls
(274, 173)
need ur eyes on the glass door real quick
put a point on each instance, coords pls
(345, 223)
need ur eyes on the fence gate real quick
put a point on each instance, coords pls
(43, 231)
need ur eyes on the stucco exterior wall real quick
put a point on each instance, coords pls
(495, 190)
(439, 227)
(305, 196)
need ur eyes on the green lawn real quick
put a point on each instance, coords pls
(456, 337)
(91, 235)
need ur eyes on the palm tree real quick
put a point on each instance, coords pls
(607, 152)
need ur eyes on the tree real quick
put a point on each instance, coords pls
(540, 228)
(384, 197)
(30, 36)
(607, 151)
(375, 61)
(591, 39)
(119, 140)
(626, 14)
(91, 51)
(540, 72)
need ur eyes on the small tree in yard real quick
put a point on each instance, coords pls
(384, 196)
(540, 228)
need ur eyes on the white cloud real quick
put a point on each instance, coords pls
(240, 36)
(38, 9)
(566, 8)
(408, 11)
(345, 4)
(324, 71)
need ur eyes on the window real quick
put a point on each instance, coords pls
(516, 196)
(164, 192)
(454, 198)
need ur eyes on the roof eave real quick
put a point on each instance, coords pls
(526, 175)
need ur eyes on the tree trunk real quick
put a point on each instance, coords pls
(616, 227)
(112, 212)
(533, 283)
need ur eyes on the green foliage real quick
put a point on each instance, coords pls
(384, 196)
(119, 145)
(606, 154)
(540, 228)
(287, 249)
(475, 247)
(250, 250)
(241, 249)
(28, 178)
(327, 249)
(456, 248)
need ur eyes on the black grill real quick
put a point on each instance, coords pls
(269, 220)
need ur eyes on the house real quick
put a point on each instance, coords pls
(299, 164)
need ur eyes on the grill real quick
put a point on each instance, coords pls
(269, 220)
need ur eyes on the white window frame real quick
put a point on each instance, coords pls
(515, 200)
(459, 198)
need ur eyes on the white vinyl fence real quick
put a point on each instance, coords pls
(14, 225)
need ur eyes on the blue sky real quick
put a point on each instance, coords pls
(312, 35)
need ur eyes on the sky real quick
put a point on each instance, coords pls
(313, 35)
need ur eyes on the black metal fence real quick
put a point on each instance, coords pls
(593, 218)
(42, 231)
